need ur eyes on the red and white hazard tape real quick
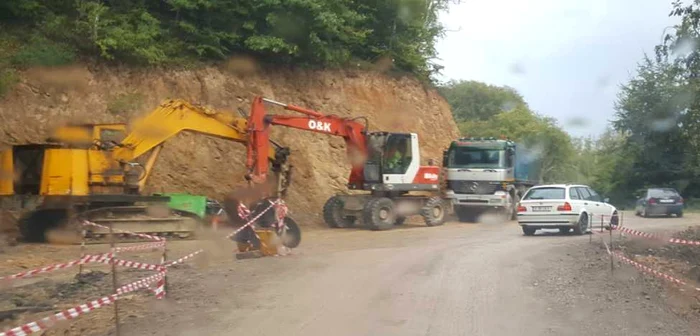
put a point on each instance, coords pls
(649, 269)
(46, 269)
(142, 235)
(683, 241)
(69, 314)
(181, 260)
(657, 236)
(146, 246)
(138, 284)
(159, 291)
(134, 264)
(250, 222)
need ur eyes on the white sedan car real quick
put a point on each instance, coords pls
(564, 207)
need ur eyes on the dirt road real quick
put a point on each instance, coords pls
(459, 279)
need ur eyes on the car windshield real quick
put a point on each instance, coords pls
(545, 194)
(662, 193)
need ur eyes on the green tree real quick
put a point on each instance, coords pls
(483, 110)
(477, 101)
(652, 113)
(307, 32)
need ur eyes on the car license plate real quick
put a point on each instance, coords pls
(541, 208)
(666, 201)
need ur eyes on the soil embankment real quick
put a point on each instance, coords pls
(192, 163)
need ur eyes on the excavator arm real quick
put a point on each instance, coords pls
(352, 131)
(175, 116)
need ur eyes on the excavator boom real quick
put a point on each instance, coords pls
(259, 121)
(99, 167)
(173, 117)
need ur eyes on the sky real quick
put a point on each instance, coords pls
(567, 58)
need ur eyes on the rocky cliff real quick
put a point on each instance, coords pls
(193, 163)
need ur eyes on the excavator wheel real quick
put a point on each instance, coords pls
(433, 211)
(291, 236)
(333, 214)
(379, 214)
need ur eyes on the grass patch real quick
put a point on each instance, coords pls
(692, 205)
(124, 103)
(8, 79)
(40, 51)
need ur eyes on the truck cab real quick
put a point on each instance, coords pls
(484, 174)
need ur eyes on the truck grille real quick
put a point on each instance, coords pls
(473, 187)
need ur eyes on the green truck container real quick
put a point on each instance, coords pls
(195, 204)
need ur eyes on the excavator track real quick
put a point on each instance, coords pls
(166, 223)
(38, 225)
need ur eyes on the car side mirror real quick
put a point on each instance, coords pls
(606, 200)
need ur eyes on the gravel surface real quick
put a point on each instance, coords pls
(457, 279)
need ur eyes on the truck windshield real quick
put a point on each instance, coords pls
(471, 157)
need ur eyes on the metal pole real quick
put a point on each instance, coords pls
(163, 259)
(82, 249)
(114, 278)
(612, 260)
(621, 217)
(72, 219)
(2, 213)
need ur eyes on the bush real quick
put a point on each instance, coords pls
(307, 32)
(8, 79)
(43, 52)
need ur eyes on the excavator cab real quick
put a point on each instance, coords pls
(389, 156)
(393, 163)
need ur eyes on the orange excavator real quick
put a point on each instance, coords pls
(385, 165)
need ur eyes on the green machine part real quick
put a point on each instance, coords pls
(195, 204)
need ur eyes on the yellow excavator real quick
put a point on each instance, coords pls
(99, 172)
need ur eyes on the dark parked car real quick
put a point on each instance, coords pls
(659, 201)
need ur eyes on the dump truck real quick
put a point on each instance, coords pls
(98, 172)
(483, 174)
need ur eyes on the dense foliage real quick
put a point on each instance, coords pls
(310, 32)
(483, 110)
(655, 140)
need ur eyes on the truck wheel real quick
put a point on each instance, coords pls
(433, 211)
(378, 214)
(333, 214)
(464, 215)
(400, 220)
